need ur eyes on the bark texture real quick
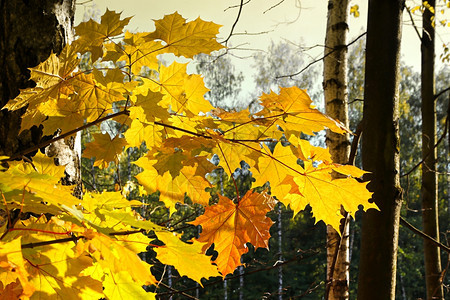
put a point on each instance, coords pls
(380, 151)
(336, 106)
(30, 30)
(429, 155)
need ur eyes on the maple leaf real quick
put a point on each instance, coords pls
(136, 51)
(104, 149)
(120, 286)
(187, 258)
(326, 194)
(186, 39)
(32, 191)
(231, 154)
(12, 268)
(182, 92)
(146, 107)
(230, 226)
(274, 167)
(293, 112)
(92, 34)
(140, 132)
(52, 80)
(64, 114)
(110, 254)
(173, 189)
(107, 200)
(95, 98)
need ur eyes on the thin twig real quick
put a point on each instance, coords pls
(317, 60)
(62, 136)
(355, 100)
(235, 6)
(414, 24)
(431, 150)
(424, 235)
(235, 23)
(273, 6)
(294, 259)
(441, 92)
(355, 143)
(177, 292)
(46, 243)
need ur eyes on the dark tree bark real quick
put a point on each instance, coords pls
(336, 106)
(29, 32)
(429, 155)
(380, 151)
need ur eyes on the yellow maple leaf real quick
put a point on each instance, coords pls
(95, 99)
(230, 226)
(173, 189)
(104, 149)
(231, 154)
(186, 39)
(326, 195)
(52, 78)
(195, 89)
(64, 114)
(12, 267)
(146, 107)
(32, 191)
(187, 258)
(107, 200)
(91, 34)
(274, 167)
(141, 131)
(111, 254)
(293, 112)
(121, 286)
(136, 51)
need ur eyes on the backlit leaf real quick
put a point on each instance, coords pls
(187, 258)
(186, 39)
(230, 226)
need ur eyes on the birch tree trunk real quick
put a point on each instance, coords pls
(336, 106)
(429, 190)
(29, 32)
(380, 151)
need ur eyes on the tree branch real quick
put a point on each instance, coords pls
(273, 6)
(235, 22)
(424, 235)
(46, 243)
(275, 265)
(317, 60)
(414, 24)
(174, 291)
(441, 92)
(76, 238)
(62, 136)
(432, 149)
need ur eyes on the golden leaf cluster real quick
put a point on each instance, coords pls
(76, 248)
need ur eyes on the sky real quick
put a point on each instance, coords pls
(295, 21)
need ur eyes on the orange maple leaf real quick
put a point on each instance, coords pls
(230, 226)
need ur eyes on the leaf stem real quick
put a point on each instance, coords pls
(62, 136)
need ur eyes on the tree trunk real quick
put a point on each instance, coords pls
(429, 155)
(336, 106)
(380, 151)
(29, 32)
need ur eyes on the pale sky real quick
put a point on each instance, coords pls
(291, 20)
